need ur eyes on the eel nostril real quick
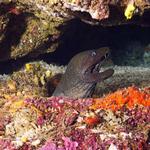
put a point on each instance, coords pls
(103, 58)
(107, 55)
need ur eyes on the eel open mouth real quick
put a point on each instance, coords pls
(94, 73)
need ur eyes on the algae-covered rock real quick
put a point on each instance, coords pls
(32, 80)
(3, 21)
(124, 76)
(119, 120)
(25, 34)
(40, 79)
(30, 28)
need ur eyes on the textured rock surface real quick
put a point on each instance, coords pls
(30, 28)
(38, 78)
(22, 33)
(29, 120)
(117, 121)
(30, 80)
(124, 77)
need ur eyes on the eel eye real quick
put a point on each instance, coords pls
(93, 53)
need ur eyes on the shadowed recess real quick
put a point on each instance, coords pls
(13, 32)
(124, 41)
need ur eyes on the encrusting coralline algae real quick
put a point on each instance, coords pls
(119, 120)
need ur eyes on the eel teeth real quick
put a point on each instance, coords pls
(96, 68)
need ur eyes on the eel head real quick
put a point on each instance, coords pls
(88, 65)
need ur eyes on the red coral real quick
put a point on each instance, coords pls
(93, 120)
(49, 146)
(6, 145)
(99, 10)
(129, 97)
(14, 10)
(40, 120)
(69, 144)
(75, 122)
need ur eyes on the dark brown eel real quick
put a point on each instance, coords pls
(82, 74)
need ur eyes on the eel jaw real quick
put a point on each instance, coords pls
(94, 74)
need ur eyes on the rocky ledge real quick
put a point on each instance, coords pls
(31, 28)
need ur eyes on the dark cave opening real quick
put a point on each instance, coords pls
(128, 45)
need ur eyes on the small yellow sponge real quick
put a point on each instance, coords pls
(129, 11)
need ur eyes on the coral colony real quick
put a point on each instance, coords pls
(119, 120)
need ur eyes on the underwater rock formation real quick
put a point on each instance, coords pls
(117, 121)
(123, 77)
(30, 28)
(40, 79)
(97, 9)
(29, 80)
(22, 34)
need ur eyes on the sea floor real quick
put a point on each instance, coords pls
(113, 119)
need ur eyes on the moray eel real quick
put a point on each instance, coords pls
(82, 74)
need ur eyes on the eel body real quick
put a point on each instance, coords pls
(82, 74)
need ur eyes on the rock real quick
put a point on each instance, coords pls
(29, 80)
(24, 34)
(30, 28)
(40, 79)
(124, 76)
(146, 56)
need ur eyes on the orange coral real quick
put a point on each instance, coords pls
(128, 97)
(93, 120)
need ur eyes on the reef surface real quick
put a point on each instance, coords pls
(31, 119)
(120, 120)
(30, 28)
